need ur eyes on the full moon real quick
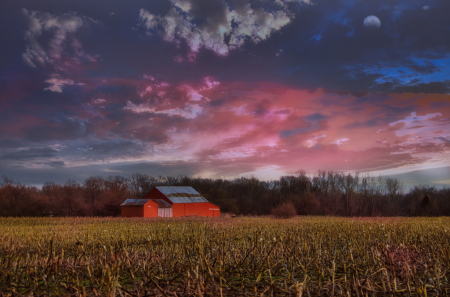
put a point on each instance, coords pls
(372, 22)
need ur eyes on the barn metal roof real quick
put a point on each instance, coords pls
(135, 202)
(182, 194)
(162, 204)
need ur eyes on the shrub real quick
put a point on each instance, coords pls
(284, 211)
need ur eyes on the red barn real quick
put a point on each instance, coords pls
(170, 202)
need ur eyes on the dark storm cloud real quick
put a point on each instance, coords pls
(48, 173)
(217, 102)
(315, 117)
(31, 153)
(442, 104)
(56, 172)
(426, 88)
(157, 169)
(7, 143)
(60, 129)
(349, 57)
(284, 111)
(57, 164)
(435, 177)
(443, 139)
(286, 133)
(370, 123)
(346, 56)
(119, 149)
(211, 12)
(428, 68)
(322, 45)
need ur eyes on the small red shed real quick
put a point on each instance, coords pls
(139, 208)
(170, 202)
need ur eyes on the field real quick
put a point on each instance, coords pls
(304, 256)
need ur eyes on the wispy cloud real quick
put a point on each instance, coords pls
(41, 51)
(225, 29)
(340, 141)
(189, 111)
(57, 84)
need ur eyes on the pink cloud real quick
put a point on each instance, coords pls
(248, 128)
(99, 101)
(340, 141)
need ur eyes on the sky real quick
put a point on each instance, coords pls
(224, 89)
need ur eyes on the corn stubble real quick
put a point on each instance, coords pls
(312, 256)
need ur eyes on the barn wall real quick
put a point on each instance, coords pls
(190, 209)
(151, 209)
(202, 209)
(206, 209)
(178, 210)
(211, 210)
(131, 211)
(214, 210)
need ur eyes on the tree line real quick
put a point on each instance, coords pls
(325, 193)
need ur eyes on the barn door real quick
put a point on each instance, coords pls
(165, 212)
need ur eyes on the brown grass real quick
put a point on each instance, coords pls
(303, 256)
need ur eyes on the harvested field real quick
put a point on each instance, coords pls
(303, 256)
